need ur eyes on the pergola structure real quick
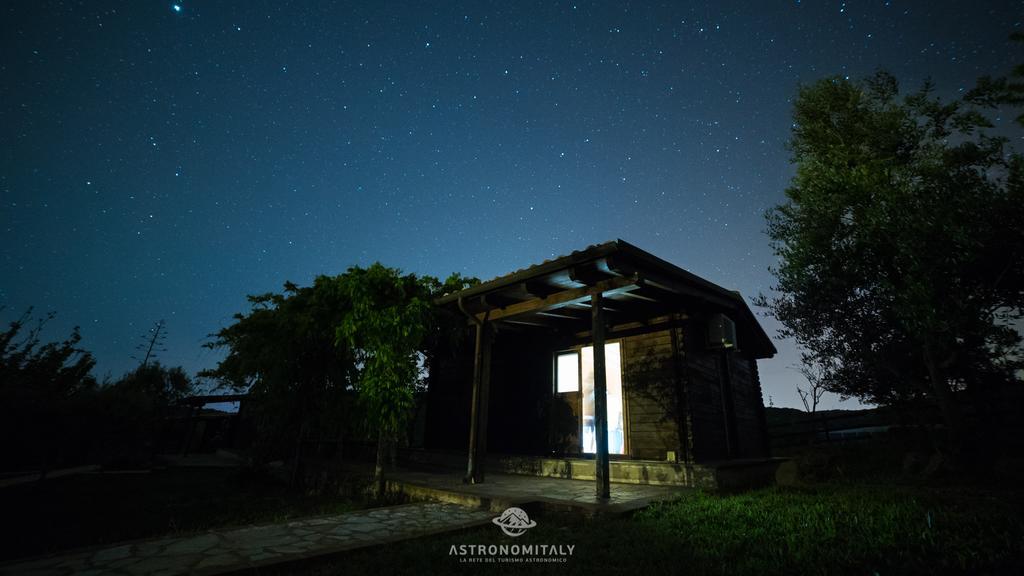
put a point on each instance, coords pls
(593, 293)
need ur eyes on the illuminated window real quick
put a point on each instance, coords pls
(567, 377)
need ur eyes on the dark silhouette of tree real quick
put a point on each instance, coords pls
(308, 354)
(163, 385)
(152, 343)
(59, 369)
(284, 353)
(131, 412)
(1002, 91)
(40, 386)
(53, 412)
(811, 395)
(900, 245)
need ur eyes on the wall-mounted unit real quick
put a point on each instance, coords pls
(721, 332)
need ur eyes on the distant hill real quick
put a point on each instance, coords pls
(845, 418)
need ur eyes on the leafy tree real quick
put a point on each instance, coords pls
(163, 385)
(59, 369)
(389, 325)
(284, 352)
(1002, 91)
(900, 245)
(126, 416)
(385, 325)
(40, 385)
(307, 353)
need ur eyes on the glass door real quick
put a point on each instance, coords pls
(616, 418)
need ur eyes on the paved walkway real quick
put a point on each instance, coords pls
(499, 491)
(35, 476)
(223, 551)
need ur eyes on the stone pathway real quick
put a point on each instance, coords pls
(34, 476)
(222, 551)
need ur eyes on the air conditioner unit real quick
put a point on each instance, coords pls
(721, 332)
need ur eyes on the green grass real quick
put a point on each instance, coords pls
(85, 510)
(833, 529)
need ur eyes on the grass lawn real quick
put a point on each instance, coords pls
(832, 529)
(84, 510)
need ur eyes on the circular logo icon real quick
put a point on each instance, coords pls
(514, 522)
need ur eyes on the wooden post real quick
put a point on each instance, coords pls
(601, 470)
(485, 403)
(478, 408)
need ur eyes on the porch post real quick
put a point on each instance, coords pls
(478, 408)
(601, 471)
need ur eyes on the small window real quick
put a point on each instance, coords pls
(567, 372)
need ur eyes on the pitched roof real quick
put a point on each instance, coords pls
(655, 280)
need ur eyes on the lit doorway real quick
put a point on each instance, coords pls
(575, 371)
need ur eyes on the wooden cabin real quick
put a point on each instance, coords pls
(680, 382)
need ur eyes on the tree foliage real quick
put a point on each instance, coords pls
(1002, 91)
(162, 385)
(307, 353)
(284, 353)
(52, 370)
(385, 325)
(127, 417)
(41, 387)
(53, 412)
(901, 243)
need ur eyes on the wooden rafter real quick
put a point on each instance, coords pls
(564, 298)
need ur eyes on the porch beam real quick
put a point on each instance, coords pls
(564, 298)
(601, 469)
(538, 289)
(556, 315)
(678, 288)
(523, 322)
(588, 274)
(638, 296)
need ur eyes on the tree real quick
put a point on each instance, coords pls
(59, 369)
(388, 325)
(1003, 91)
(40, 386)
(129, 414)
(815, 386)
(306, 354)
(900, 245)
(162, 384)
(285, 354)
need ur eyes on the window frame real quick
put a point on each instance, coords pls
(579, 371)
(578, 399)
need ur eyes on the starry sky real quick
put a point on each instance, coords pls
(161, 160)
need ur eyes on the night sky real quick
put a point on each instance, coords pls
(163, 160)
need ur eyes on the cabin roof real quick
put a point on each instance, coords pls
(636, 285)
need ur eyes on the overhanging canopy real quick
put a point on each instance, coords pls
(636, 286)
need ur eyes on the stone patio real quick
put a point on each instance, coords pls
(500, 491)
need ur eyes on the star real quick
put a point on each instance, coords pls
(176, 7)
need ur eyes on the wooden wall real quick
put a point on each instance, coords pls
(521, 393)
(448, 397)
(672, 385)
(649, 378)
(707, 376)
(749, 407)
